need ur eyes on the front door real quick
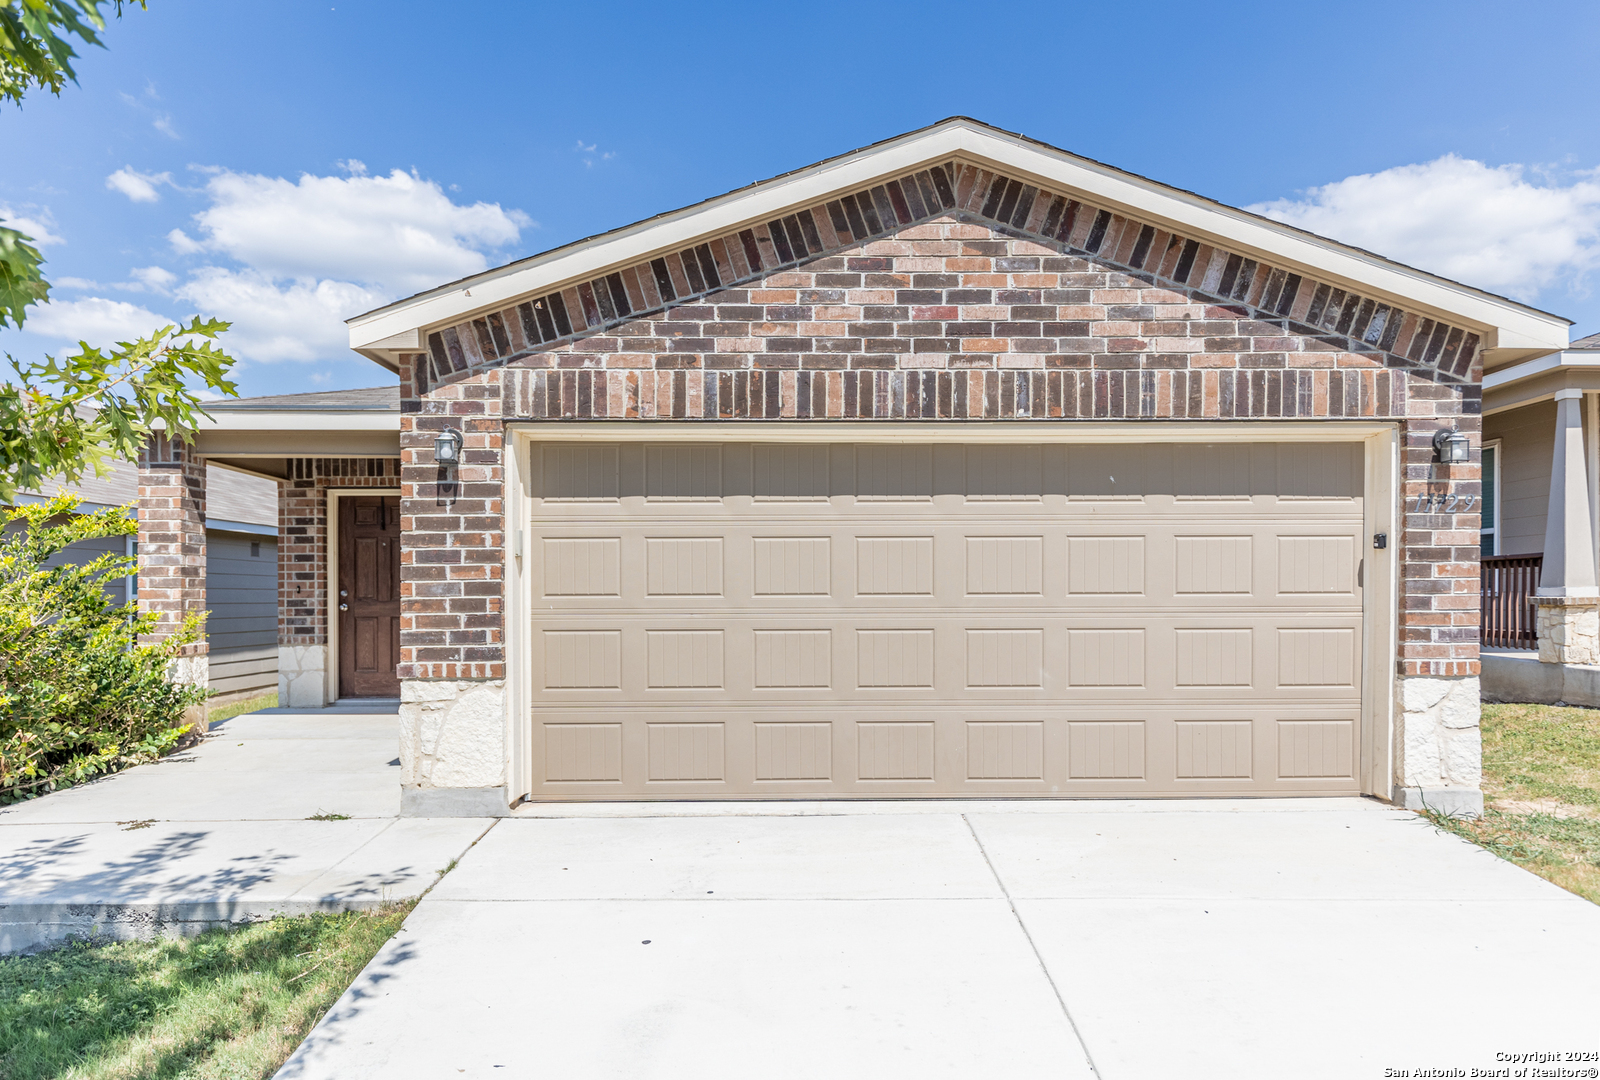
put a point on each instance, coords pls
(369, 596)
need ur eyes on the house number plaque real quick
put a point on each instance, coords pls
(1447, 504)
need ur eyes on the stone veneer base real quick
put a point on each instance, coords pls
(1438, 744)
(303, 677)
(1568, 628)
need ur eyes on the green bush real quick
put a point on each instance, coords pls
(80, 694)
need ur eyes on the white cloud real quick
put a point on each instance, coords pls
(396, 234)
(138, 186)
(297, 320)
(163, 124)
(1488, 226)
(592, 152)
(95, 319)
(154, 278)
(38, 225)
(183, 244)
(286, 262)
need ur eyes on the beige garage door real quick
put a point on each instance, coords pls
(758, 620)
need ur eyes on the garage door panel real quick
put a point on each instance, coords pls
(951, 657)
(658, 568)
(1174, 750)
(747, 620)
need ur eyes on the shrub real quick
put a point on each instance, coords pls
(80, 694)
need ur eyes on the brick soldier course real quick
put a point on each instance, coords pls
(952, 291)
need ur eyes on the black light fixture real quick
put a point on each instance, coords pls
(1452, 447)
(447, 447)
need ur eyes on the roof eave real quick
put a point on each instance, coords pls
(1511, 330)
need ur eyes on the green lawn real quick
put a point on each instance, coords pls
(1541, 785)
(229, 1005)
(220, 713)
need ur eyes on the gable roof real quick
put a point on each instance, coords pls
(1509, 330)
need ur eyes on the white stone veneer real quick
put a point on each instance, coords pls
(453, 734)
(1438, 745)
(303, 676)
(1568, 629)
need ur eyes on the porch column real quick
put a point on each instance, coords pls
(1568, 622)
(172, 546)
(306, 676)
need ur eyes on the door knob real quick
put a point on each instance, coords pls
(344, 607)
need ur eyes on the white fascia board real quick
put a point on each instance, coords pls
(321, 420)
(1506, 325)
(1540, 365)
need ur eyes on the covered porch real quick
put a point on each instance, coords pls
(1540, 603)
(335, 458)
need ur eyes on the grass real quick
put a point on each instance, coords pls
(1541, 785)
(323, 815)
(228, 1005)
(239, 708)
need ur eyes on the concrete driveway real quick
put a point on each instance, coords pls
(1308, 938)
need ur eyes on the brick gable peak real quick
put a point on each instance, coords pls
(1322, 312)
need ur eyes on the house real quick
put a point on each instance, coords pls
(954, 465)
(1541, 465)
(241, 595)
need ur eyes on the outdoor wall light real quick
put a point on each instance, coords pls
(447, 447)
(1452, 447)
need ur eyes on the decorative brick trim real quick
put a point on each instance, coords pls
(953, 395)
(172, 536)
(303, 556)
(1339, 319)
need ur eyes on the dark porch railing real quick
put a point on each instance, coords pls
(1508, 584)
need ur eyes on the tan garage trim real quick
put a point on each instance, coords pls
(986, 651)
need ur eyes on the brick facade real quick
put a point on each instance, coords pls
(997, 301)
(172, 535)
(452, 532)
(303, 538)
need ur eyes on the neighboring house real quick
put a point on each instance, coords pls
(1541, 520)
(240, 588)
(956, 465)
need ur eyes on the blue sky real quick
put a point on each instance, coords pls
(292, 163)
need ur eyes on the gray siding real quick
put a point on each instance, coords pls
(242, 595)
(87, 551)
(1527, 440)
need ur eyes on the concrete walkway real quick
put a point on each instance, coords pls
(1307, 938)
(220, 834)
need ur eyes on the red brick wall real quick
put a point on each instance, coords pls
(451, 559)
(172, 535)
(955, 317)
(303, 554)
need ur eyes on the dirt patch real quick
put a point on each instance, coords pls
(1553, 807)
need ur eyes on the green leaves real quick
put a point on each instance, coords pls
(80, 694)
(35, 52)
(21, 283)
(60, 419)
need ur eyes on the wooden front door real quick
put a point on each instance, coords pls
(369, 596)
